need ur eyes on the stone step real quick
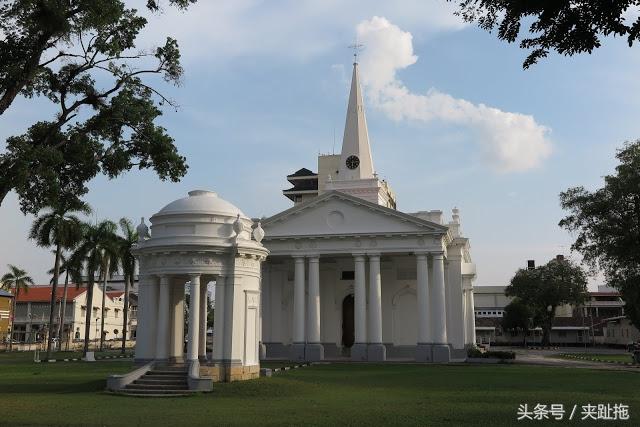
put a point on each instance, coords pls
(164, 377)
(153, 395)
(171, 392)
(159, 372)
(162, 381)
(156, 387)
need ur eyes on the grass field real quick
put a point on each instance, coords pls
(337, 394)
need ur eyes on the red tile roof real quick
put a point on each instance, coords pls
(115, 294)
(43, 293)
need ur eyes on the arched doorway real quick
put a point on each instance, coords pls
(348, 335)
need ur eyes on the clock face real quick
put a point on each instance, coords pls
(353, 162)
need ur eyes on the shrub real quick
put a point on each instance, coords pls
(504, 355)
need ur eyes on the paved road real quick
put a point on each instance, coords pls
(552, 358)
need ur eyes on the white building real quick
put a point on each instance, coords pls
(32, 314)
(348, 275)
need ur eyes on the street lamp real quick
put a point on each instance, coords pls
(97, 331)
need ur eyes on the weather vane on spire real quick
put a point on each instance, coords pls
(357, 48)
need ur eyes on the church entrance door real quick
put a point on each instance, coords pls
(348, 334)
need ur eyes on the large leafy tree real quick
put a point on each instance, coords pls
(61, 228)
(517, 317)
(568, 27)
(81, 55)
(126, 242)
(543, 289)
(17, 280)
(90, 253)
(606, 224)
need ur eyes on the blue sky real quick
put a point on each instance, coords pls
(265, 90)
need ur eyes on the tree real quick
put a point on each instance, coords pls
(81, 55)
(543, 289)
(606, 224)
(126, 242)
(517, 317)
(58, 227)
(90, 254)
(568, 27)
(16, 279)
(75, 273)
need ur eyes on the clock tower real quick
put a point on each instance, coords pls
(355, 160)
(355, 173)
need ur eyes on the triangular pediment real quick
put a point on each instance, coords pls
(336, 213)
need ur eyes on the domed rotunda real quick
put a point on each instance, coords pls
(200, 239)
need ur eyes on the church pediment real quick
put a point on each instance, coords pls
(335, 213)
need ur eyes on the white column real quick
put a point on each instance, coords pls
(177, 325)
(194, 316)
(360, 301)
(218, 321)
(423, 298)
(163, 319)
(314, 300)
(298, 302)
(145, 333)
(375, 301)
(438, 304)
(471, 321)
(202, 342)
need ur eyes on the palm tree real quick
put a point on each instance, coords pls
(60, 228)
(128, 262)
(75, 271)
(108, 267)
(96, 242)
(17, 279)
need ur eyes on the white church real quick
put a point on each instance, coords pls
(349, 275)
(341, 275)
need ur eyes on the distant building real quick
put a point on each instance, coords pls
(6, 299)
(33, 307)
(601, 314)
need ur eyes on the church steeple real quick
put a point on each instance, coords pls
(356, 161)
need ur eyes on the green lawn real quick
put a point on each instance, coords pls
(354, 394)
(619, 357)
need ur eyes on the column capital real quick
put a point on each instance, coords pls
(195, 277)
(164, 279)
(438, 255)
(298, 258)
(374, 255)
(314, 257)
(421, 255)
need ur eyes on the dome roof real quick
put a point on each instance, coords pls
(201, 201)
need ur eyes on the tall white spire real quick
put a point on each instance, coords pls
(356, 162)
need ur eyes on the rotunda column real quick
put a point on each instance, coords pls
(218, 321)
(163, 320)
(194, 316)
(202, 342)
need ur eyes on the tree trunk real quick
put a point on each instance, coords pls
(63, 309)
(104, 296)
(13, 318)
(52, 308)
(125, 316)
(87, 318)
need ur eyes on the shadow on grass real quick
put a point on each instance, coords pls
(56, 387)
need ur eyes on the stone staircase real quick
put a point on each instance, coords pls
(161, 381)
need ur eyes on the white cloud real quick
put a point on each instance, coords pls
(512, 141)
(217, 30)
